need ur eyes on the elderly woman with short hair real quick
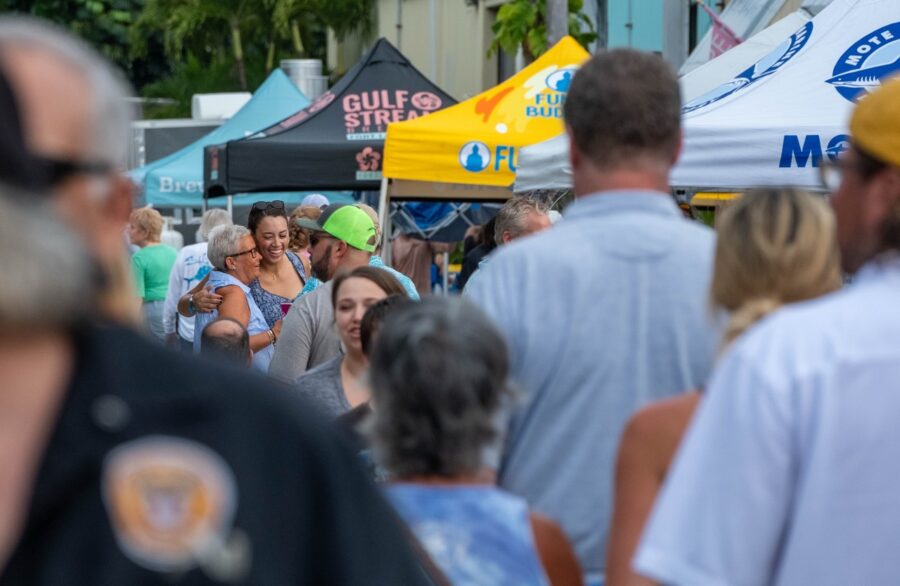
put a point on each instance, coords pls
(433, 420)
(235, 259)
(151, 266)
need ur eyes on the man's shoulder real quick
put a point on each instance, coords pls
(798, 339)
(317, 296)
(143, 372)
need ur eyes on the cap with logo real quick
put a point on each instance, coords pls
(344, 222)
(875, 125)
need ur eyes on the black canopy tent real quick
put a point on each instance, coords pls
(336, 143)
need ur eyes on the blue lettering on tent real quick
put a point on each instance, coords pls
(792, 150)
(837, 145)
(505, 153)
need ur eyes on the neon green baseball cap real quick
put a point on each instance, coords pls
(345, 222)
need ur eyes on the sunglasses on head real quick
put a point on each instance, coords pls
(266, 206)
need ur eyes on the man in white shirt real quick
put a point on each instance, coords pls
(790, 471)
(191, 267)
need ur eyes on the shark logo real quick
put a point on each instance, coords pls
(765, 67)
(867, 63)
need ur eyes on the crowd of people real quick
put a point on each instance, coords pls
(625, 397)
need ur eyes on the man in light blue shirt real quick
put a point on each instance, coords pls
(790, 471)
(607, 310)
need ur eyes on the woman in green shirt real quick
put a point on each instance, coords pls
(151, 265)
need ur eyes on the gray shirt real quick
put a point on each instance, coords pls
(602, 313)
(308, 336)
(322, 387)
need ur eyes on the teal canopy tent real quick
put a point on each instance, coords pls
(177, 180)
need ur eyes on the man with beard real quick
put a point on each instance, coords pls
(343, 238)
(123, 463)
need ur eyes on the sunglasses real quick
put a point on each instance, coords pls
(55, 171)
(267, 206)
(253, 252)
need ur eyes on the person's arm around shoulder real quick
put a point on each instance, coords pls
(637, 481)
(199, 300)
(555, 552)
(234, 304)
(292, 352)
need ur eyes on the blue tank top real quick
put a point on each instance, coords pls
(217, 280)
(270, 303)
(477, 535)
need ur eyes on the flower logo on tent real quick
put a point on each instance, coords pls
(368, 159)
(321, 102)
(426, 101)
(868, 62)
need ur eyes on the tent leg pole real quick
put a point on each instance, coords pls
(230, 208)
(446, 274)
(384, 220)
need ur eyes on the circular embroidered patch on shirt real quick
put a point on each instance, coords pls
(171, 501)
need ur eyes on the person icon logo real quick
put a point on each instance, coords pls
(474, 156)
(560, 80)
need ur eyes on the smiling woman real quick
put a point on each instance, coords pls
(337, 386)
(281, 272)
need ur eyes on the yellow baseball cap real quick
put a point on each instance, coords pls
(875, 124)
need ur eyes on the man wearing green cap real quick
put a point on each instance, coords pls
(343, 238)
(789, 472)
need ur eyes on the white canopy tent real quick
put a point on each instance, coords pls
(774, 121)
(726, 66)
(747, 18)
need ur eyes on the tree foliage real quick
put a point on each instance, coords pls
(175, 48)
(523, 24)
(213, 32)
(105, 24)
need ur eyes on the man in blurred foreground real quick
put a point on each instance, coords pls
(123, 463)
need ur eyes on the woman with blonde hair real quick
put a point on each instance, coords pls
(151, 266)
(299, 237)
(774, 247)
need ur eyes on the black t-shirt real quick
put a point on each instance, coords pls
(471, 261)
(166, 469)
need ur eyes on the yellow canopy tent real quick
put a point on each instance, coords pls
(468, 152)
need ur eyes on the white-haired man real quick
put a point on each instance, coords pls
(517, 218)
(76, 120)
(122, 462)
